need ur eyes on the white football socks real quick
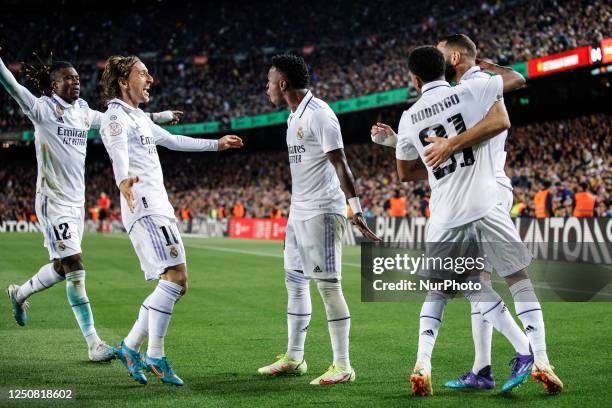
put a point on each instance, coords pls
(43, 279)
(140, 330)
(299, 310)
(529, 311)
(77, 297)
(430, 320)
(493, 310)
(482, 334)
(161, 303)
(338, 320)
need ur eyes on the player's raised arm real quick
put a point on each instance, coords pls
(383, 134)
(20, 93)
(168, 117)
(191, 144)
(512, 79)
(496, 121)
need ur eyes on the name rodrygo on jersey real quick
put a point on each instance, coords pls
(463, 188)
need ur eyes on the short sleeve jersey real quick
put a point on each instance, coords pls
(312, 131)
(462, 188)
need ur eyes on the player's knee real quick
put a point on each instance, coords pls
(72, 263)
(295, 278)
(177, 275)
(517, 277)
(57, 267)
(329, 288)
(437, 296)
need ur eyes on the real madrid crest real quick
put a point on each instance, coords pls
(59, 109)
(173, 251)
(61, 245)
(300, 134)
(87, 124)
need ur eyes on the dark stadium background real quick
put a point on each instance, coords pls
(353, 49)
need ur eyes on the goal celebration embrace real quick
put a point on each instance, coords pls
(324, 210)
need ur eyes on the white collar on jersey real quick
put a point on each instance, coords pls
(434, 84)
(470, 72)
(62, 102)
(120, 102)
(303, 104)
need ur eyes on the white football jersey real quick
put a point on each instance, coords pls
(497, 143)
(313, 130)
(60, 138)
(463, 189)
(131, 140)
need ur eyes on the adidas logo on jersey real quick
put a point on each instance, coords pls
(317, 269)
(60, 119)
(530, 329)
(428, 332)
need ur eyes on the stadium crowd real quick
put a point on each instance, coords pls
(565, 153)
(210, 60)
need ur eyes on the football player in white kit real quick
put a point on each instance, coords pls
(460, 57)
(321, 183)
(444, 111)
(61, 123)
(131, 140)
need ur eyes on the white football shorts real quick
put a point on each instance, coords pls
(495, 236)
(314, 246)
(158, 244)
(62, 227)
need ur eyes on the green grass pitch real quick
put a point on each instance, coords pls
(232, 321)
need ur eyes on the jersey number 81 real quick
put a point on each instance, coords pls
(439, 131)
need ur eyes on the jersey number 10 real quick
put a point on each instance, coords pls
(438, 129)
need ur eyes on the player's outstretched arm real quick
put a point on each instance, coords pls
(492, 124)
(512, 79)
(191, 144)
(347, 183)
(383, 134)
(20, 93)
(168, 117)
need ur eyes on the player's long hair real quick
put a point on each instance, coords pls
(117, 67)
(40, 75)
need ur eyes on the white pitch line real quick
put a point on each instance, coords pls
(355, 265)
(255, 253)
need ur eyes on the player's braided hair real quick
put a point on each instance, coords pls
(40, 75)
(293, 68)
(117, 67)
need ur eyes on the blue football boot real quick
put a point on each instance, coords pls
(162, 369)
(132, 361)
